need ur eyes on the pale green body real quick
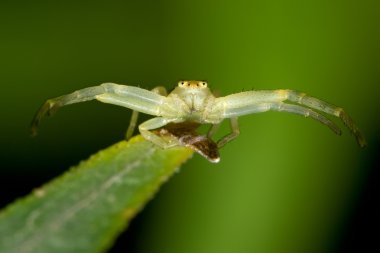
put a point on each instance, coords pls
(193, 101)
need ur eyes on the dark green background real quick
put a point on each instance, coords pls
(287, 184)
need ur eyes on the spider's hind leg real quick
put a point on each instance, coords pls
(212, 130)
(132, 125)
(235, 131)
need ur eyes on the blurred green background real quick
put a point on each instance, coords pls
(287, 184)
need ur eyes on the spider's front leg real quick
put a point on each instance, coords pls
(260, 101)
(315, 103)
(127, 96)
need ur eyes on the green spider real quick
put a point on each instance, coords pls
(192, 104)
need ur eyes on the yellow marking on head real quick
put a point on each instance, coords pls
(192, 84)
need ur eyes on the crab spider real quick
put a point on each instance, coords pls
(193, 102)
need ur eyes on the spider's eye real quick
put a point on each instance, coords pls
(202, 84)
(181, 83)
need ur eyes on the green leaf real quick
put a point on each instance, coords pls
(87, 207)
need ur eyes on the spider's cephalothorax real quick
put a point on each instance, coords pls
(193, 102)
